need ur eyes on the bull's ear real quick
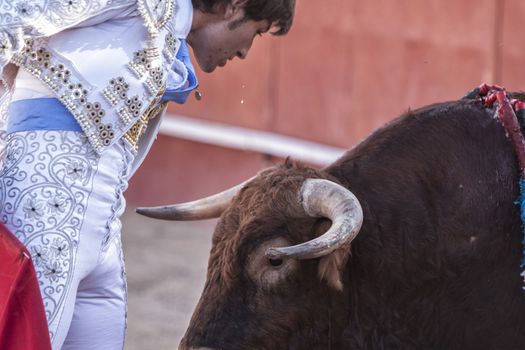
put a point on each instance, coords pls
(331, 266)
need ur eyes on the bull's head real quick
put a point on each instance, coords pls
(276, 261)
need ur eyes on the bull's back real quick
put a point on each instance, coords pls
(438, 258)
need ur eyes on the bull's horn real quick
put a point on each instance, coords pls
(201, 209)
(323, 198)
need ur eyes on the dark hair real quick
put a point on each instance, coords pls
(278, 13)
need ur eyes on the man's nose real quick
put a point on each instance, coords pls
(242, 54)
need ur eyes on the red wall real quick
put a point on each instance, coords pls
(346, 68)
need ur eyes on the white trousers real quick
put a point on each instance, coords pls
(64, 202)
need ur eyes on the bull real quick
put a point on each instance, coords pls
(411, 240)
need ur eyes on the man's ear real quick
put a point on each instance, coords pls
(233, 8)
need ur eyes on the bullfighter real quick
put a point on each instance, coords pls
(85, 84)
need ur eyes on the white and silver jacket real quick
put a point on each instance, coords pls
(107, 61)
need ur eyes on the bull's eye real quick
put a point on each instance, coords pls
(276, 262)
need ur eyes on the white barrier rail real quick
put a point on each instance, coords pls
(248, 140)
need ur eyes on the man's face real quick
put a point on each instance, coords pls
(224, 39)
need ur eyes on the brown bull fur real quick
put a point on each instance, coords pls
(436, 264)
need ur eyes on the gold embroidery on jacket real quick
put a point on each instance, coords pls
(137, 130)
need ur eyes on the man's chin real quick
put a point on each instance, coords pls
(207, 68)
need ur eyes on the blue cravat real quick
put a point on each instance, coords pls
(180, 95)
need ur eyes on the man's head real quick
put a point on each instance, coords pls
(225, 29)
